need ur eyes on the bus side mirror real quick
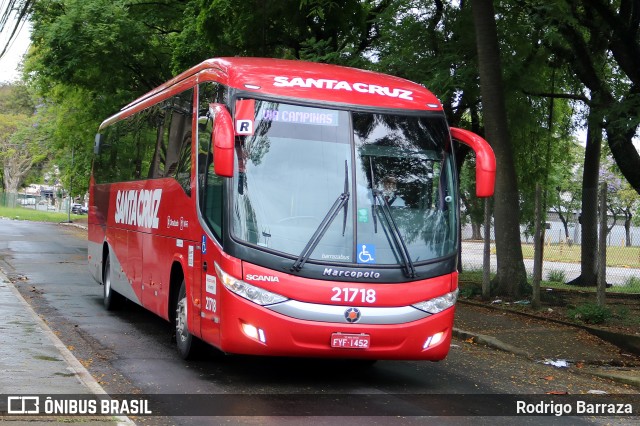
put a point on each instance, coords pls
(98, 143)
(223, 141)
(485, 160)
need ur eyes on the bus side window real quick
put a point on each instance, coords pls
(178, 150)
(127, 149)
(157, 164)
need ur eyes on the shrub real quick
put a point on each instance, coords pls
(557, 276)
(632, 282)
(590, 313)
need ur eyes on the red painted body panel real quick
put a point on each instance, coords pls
(145, 254)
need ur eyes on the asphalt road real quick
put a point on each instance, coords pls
(131, 352)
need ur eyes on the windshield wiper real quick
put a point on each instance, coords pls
(340, 203)
(396, 237)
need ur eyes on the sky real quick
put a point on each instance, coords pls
(11, 59)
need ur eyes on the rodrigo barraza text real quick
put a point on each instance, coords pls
(573, 408)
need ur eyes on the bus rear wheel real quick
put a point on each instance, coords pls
(187, 343)
(111, 299)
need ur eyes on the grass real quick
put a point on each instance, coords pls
(625, 289)
(619, 256)
(632, 282)
(22, 213)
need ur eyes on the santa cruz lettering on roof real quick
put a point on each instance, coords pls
(324, 83)
(139, 208)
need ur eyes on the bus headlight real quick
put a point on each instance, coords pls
(438, 304)
(250, 292)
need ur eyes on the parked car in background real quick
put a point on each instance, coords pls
(79, 209)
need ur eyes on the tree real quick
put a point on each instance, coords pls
(20, 143)
(316, 30)
(584, 50)
(511, 277)
(628, 203)
(600, 42)
(565, 201)
(622, 200)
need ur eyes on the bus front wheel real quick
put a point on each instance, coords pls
(186, 342)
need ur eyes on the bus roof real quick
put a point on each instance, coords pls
(308, 80)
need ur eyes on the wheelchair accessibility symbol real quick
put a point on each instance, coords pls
(367, 254)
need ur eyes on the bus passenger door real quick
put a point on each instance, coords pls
(210, 316)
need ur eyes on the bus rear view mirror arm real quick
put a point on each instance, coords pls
(222, 140)
(485, 160)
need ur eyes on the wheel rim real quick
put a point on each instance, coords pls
(181, 319)
(107, 281)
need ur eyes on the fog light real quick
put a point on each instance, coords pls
(254, 332)
(250, 331)
(433, 340)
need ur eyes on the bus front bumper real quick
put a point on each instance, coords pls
(247, 328)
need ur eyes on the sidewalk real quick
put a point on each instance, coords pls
(33, 361)
(544, 341)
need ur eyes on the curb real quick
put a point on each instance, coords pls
(491, 342)
(74, 365)
(74, 225)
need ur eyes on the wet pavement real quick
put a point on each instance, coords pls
(33, 361)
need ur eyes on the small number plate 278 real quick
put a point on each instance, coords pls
(350, 341)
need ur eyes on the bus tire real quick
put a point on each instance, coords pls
(111, 299)
(188, 345)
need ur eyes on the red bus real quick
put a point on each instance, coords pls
(286, 208)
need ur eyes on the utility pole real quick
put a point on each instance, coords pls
(70, 186)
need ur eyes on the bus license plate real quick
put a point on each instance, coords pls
(350, 341)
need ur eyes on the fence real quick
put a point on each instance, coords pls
(35, 202)
(562, 252)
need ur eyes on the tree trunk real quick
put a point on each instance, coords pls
(475, 231)
(565, 224)
(589, 215)
(511, 277)
(14, 172)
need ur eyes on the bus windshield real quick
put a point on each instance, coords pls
(348, 186)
